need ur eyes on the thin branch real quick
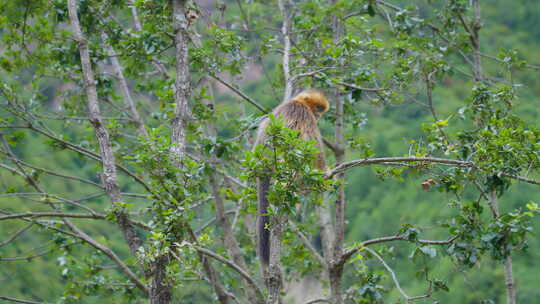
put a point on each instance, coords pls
(531, 66)
(16, 235)
(26, 258)
(331, 146)
(353, 86)
(69, 215)
(118, 70)
(19, 300)
(295, 78)
(77, 232)
(51, 214)
(351, 251)
(82, 180)
(231, 264)
(318, 301)
(307, 243)
(523, 179)
(108, 252)
(394, 160)
(89, 154)
(394, 277)
(212, 221)
(370, 161)
(392, 6)
(240, 93)
(47, 196)
(138, 27)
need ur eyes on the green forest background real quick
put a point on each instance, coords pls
(375, 207)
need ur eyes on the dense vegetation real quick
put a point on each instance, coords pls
(406, 79)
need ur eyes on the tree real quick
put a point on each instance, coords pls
(129, 100)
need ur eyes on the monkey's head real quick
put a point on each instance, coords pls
(315, 100)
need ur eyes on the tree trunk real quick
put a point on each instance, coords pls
(274, 280)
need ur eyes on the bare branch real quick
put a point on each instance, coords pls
(30, 257)
(353, 86)
(523, 179)
(284, 7)
(89, 154)
(16, 235)
(138, 27)
(395, 160)
(231, 264)
(240, 93)
(351, 251)
(82, 180)
(51, 214)
(118, 71)
(107, 251)
(370, 161)
(318, 301)
(307, 243)
(531, 66)
(19, 300)
(394, 278)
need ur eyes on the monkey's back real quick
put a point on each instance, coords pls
(297, 117)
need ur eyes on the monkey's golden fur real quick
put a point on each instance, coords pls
(300, 113)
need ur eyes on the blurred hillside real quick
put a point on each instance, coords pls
(375, 207)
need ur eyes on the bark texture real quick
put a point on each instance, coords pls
(109, 174)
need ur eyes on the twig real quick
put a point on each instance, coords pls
(118, 70)
(51, 214)
(370, 161)
(16, 235)
(353, 86)
(89, 154)
(393, 275)
(307, 243)
(318, 301)
(239, 93)
(19, 300)
(82, 180)
(231, 264)
(351, 251)
(531, 66)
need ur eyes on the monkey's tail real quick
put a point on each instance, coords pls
(263, 184)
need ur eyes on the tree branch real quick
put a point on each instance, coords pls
(351, 251)
(19, 300)
(240, 93)
(118, 71)
(16, 235)
(109, 178)
(394, 277)
(307, 243)
(51, 214)
(182, 83)
(232, 265)
(284, 7)
(370, 161)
